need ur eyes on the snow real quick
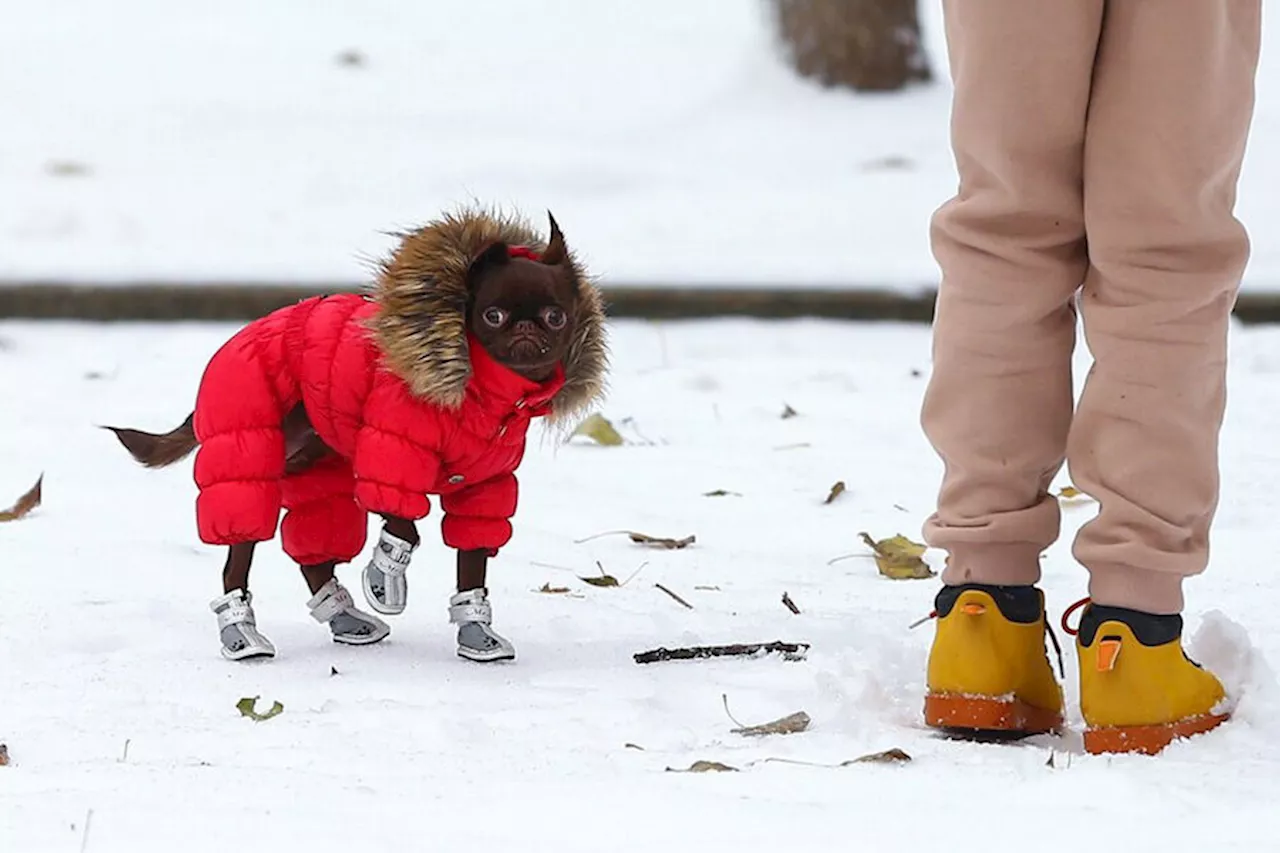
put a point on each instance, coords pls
(108, 643)
(225, 142)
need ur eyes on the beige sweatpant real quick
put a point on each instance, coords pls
(1099, 145)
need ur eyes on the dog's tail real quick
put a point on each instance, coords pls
(157, 451)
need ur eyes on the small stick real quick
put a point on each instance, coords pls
(602, 535)
(724, 697)
(673, 595)
(631, 576)
(789, 604)
(789, 651)
(84, 839)
(125, 755)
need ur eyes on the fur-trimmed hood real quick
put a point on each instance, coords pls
(421, 325)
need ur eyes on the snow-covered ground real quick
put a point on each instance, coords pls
(162, 139)
(115, 704)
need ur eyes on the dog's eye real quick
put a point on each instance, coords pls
(495, 317)
(554, 317)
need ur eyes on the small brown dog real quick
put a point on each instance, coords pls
(346, 405)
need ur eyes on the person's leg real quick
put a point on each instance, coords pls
(1172, 105)
(999, 403)
(1011, 248)
(1171, 112)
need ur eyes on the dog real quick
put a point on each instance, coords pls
(344, 405)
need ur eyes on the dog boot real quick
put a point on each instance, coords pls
(477, 641)
(238, 627)
(385, 586)
(989, 672)
(333, 605)
(1138, 689)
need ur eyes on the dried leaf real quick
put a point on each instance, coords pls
(553, 590)
(705, 767)
(836, 491)
(644, 539)
(24, 504)
(333, 670)
(661, 542)
(788, 412)
(789, 604)
(597, 428)
(788, 725)
(4, 755)
(603, 580)
(889, 756)
(721, 493)
(245, 706)
(898, 557)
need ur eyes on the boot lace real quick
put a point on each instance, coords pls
(1066, 614)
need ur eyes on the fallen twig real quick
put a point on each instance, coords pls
(674, 596)
(789, 651)
(789, 604)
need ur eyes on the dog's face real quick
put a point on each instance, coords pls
(521, 310)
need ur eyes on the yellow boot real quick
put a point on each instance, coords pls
(988, 670)
(1138, 689)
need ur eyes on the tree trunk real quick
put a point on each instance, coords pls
(865, 45)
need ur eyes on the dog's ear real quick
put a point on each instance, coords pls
(556, 252)
(495, 255)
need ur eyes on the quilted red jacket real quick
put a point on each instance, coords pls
(396, 387)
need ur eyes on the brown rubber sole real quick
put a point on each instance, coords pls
(1147, 740)
(981, 714)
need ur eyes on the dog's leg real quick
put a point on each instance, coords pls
(332, 604)
(235, 572)
(237, 624)
(471, 611)
(385, 586)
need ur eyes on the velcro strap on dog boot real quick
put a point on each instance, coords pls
(471, 606)
(392, 554)
(332, 599)
(233, 608)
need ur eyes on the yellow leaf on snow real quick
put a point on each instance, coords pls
(899, 558)
(597, 428)
(1072, 495)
